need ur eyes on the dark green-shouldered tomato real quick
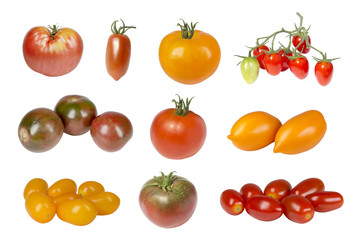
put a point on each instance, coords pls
(297, 208)
(250, 68)
(308, 186)
(105, 202)
(325, 201)
(40, 130)
(249, 190)
(78, 212)
(278, 189)
(264, 208)
(168, 201)
(77, 112)
(35, 185)
(111, 131)
(40, 207)
(232, 202)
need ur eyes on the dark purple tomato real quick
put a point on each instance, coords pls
(77, 113)
(40, 130)
(111, 131)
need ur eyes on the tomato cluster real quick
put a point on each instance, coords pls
(78, 208)
(298, 204)
(257, 130)
(275, 61)
(42, 128)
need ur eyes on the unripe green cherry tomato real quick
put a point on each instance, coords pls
(250, 69)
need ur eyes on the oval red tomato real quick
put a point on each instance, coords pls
(278, 189)
(298, 209)
(285, 59)
(273, 63)
(325, 201)
(249, 190)
(308, 186)
(299, 67)
(52, 52)
(260, 53)
(232, 202)
(324, 72)
(264, 208)
(303, 46)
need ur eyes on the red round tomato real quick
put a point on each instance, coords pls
(325, 201)
(299, 67)
(303, 46)
(308, 186)
(297, 208)
(52, 52)
(232, 202)
(278, 189)
(273, 63)
(168, 201)
(264, 208)
(111, 131)
(178, 133)
(285, 59)
(324, 72)
(249, 190)
(260, 52)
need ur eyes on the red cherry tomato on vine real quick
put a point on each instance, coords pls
(249, 190)
(278, 189)
(303, 47)
(232, 202)
(325, 201)
(298, 209)
(118, 51)
(264, 208)
(324, 72)
(285, 59)
(299, 67)
(260, 52)
(308, 186)
(273, 63)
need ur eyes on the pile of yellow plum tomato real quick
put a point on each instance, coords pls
(76, 206)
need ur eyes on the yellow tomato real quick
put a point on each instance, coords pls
(35, 185)
(301, 133)
(40, 207)
(254, 131)
(77, 212)
(89, 188)
(105, 202)
(189, 57)
(64, 197)
(62, 186)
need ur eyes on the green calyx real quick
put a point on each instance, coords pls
(187, 31)
(54, 29)
(164, 182)
(122, 29)
(182, 107)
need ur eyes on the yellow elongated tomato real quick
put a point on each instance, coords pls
(189, 56)
(64, 197)
(78, 212)
(35, 185)
(105, 202)
(300, 133)
(89, 188)
(254, 131)
(40, 207)
(61, 187)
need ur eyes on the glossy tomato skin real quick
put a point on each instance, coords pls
(250, 68)
(118, 53)
(111, 131)
(254, 131)
(286, 60)
(64, 197)
(168, 209)
(298, 209)
(325, 201)
(264, 208)
(232, 202)
(303, 47)
(77, 112)
(278, 189)
(300, 133)
(78, 212)
(260, 53)
(189, 61)
(52, 57)
(250, 190)
(324, 72)
(40, 130)
(105, 202)
(177, 137)
(62, 186)
(308, 186)
(273, 63)
(89, 188)
(35, 185)
(299, 67)
(40, 207)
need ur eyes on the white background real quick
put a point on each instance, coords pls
(145, 90)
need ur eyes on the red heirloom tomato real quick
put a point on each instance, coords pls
(232, 202)
(249, 190)
(324, 72)
(264, 208)
(278, 189)
(168, 201)
(260, 52)
(299, 67)
(178, 133)
(273, 63)
(308, 186)
(189, 56)
(111, 131)
(303, 46)
(297, 208)
(52, 52)
(118, 51)
(325, 201)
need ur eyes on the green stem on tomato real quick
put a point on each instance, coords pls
(187, 31)
(122, 29)
(164, 182)
(54, 30)
(182, 108)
